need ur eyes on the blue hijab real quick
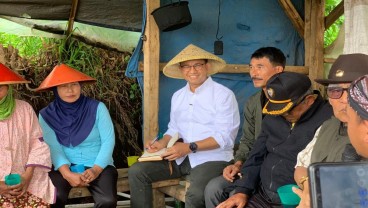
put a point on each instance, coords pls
(72, 122)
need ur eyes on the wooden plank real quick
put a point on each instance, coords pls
(169, 182)
(151, 48)
(293, 15)
(334, 14)
(243, 68)
(158, 199)
(316, 41)
(307, 32)
(329, 60)
(178, 191)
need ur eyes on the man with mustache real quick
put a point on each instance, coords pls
(264, 63)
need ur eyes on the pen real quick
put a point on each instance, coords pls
(154, 140)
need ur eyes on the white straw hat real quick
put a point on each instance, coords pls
(192, 52)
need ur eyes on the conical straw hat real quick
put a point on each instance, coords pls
(192, 52)
(63, 74)
(7, 76)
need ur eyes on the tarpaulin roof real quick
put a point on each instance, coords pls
(113, 24)
(117, 14)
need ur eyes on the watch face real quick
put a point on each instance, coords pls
(193, 146)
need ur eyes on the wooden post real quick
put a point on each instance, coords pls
(151, 51)
(314, 31)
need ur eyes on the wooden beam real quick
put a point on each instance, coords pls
(242, 68)
(293, 15)
(73, 12)
(329, 60)
(314, 30)
(151, 51)
(334, 15)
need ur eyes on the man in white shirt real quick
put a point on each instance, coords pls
(206, 116)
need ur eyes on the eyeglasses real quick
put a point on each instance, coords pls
(196, 67)
(336, 92)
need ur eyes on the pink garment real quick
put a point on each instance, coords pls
(21, 145)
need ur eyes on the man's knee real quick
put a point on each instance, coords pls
(106, 202)
(215, 186)
(194, 197)
(135, 171)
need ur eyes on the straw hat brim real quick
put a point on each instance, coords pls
(192, 52)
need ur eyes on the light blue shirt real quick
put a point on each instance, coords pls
(211, 111)
(96, 149)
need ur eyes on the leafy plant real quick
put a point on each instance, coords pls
(332, 32)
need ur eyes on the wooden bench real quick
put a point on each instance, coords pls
(175, 188)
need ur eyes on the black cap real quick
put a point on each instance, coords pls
(346, 69)
(284, 91)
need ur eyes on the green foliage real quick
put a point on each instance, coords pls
(27, 46)
(332, 32)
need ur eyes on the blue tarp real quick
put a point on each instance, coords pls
(244, 26)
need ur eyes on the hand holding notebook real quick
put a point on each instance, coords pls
(156, 156)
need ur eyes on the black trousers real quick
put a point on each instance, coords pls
(103, 188)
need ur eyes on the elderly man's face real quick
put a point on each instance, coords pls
(296, 112)
(3, 91)
(339, 105)
(358, 132)
(195, 72)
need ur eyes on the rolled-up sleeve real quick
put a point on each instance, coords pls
(227, 121)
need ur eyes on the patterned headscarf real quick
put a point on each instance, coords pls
(7, 104)
(358, 96)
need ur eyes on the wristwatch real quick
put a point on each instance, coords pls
(193, 146)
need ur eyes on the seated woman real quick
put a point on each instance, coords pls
(23, 150)
(80, 133)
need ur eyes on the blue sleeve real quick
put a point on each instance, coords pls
(252, 167)
(57, 153)
(107, 134)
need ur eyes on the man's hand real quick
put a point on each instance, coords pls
(231, 171)
(238, 200)
(155, 146)
(304, 197)
(179, 150)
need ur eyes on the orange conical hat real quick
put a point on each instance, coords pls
(7, 76)
(63, 74)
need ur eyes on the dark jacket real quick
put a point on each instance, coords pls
(273, 157)
(252, 115)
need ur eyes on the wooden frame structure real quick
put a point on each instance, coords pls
(312, 29)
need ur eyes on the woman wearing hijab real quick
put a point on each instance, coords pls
(80, 133)
(23, 151)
